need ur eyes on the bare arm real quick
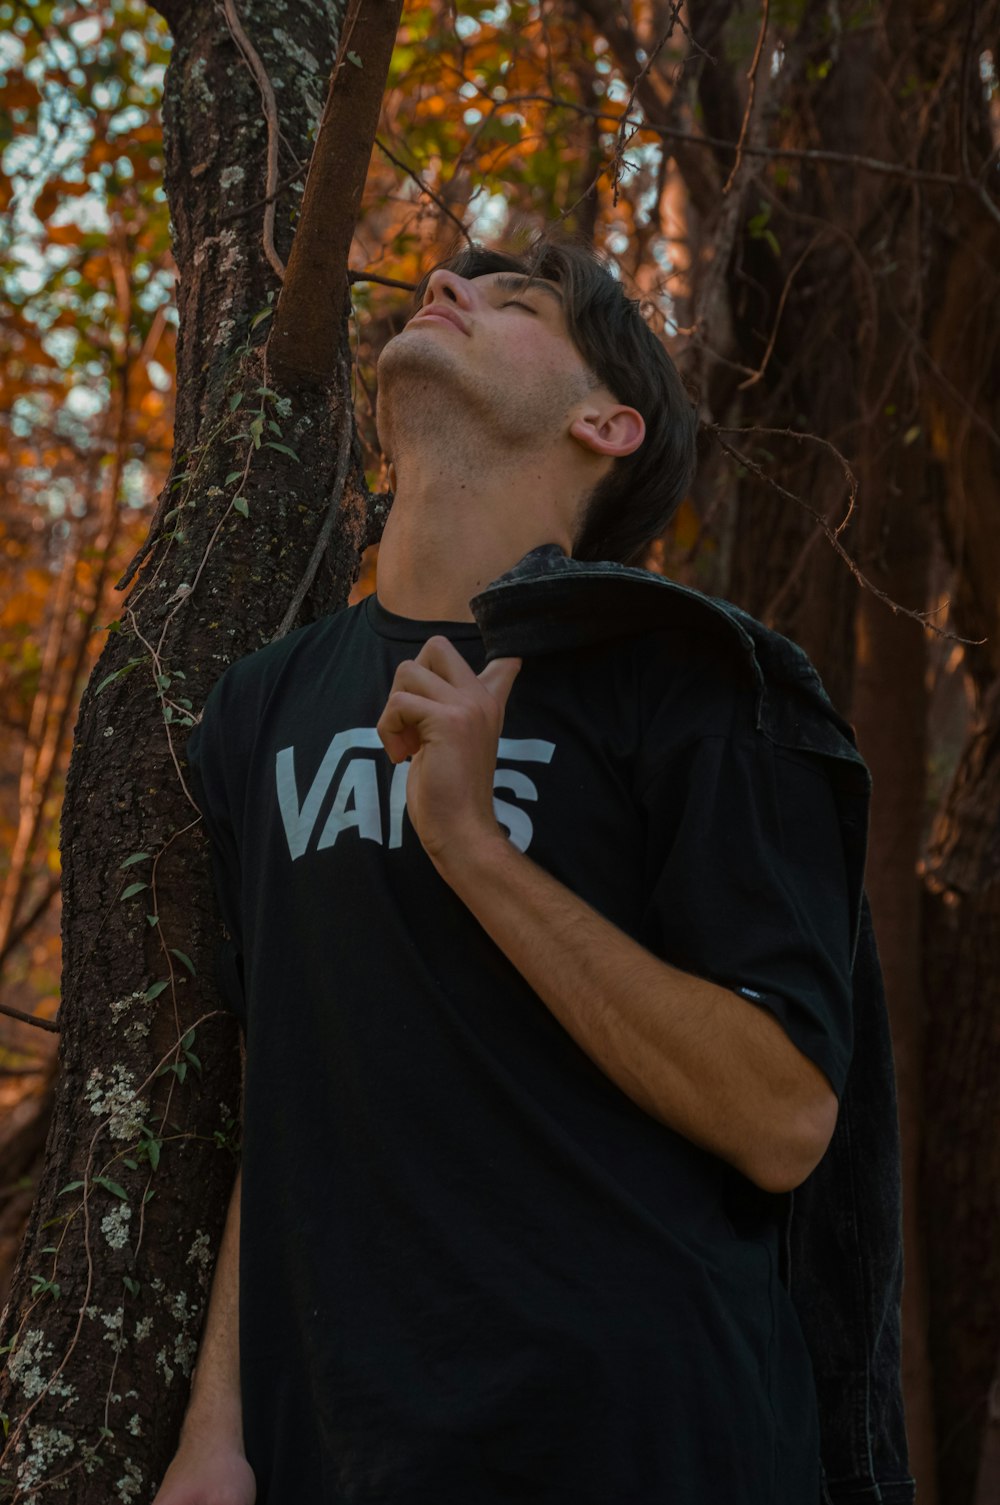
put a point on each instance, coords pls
(209, 1467)
(697, 1056)
(694, 1055)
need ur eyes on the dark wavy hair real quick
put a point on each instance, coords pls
(635, 501)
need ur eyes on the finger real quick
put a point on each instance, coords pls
(405, 724)
(417, 678)
(499, 676)
(444, 658)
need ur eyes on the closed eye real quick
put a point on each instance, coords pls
(513, 303)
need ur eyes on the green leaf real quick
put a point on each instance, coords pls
(240, 505)
(156, 989)
(194, 1060)
(133, 1165)
(183, 957)
(135, 857)
(112, 1187)
(148, 1195)
(132, 1286)
(70, 1186)
(118, 674)
(181, 1070)
(274, 427)
(256, 429)
(352, 57)
(283, 448)
(188, 1040)
(235, 401)
(233, 475)
(132, 890)
(265, 313)
(163, 681)
(153, 919)
(152, 1148)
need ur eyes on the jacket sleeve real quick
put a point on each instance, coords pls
(746, 885)
(207, 777)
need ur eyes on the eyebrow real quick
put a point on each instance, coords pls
(508, 282)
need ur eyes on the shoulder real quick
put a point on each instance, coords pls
(246, 685)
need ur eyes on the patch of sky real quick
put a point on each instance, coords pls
(487, 215)
(617, 91)
(86, 31)
(129, 119)
(498, 15)
(466, 27)
(61, 345)
(11, 51)
(159, 377)
(107, 93)
(468, 90)
(151, 77)
(135, 484)
(472, 117)
(603, 65)
(86, 401)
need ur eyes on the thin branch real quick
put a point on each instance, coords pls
(775, 153)
(752, 380)
(752, 82)
(307, 329)
(411, 173)
(408, 287)
(623, 140)
(344, 437)
(252, 59)
(923, 617)
(28, 921)
(234, 214)
(48, 1024)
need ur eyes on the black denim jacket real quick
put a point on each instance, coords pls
(842, 1243)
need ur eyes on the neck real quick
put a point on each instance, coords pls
(453, 528)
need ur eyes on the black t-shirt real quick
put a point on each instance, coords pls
(473, 1271)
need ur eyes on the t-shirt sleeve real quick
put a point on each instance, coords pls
(747, 886)
(207, 779)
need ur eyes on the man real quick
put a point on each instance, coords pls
(545, 1011)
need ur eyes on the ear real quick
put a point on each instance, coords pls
(613, 431)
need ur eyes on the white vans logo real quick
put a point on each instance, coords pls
(357, 804)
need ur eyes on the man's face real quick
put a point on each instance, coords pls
(492, 353)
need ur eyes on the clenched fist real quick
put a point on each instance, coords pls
(448, 720)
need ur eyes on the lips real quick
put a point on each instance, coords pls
(441, 313)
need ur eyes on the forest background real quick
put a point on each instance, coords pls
(804, 196)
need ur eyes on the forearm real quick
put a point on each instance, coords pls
(694, 1055)
(215, 1409)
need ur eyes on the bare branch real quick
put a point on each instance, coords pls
(752, 81)
(306, 332)
(252, 58)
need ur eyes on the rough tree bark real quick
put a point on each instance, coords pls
(961, 1171)
(261, 526)
(813, 297)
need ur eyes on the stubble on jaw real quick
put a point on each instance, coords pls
(423, 390)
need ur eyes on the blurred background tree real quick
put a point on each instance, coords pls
(804, 196)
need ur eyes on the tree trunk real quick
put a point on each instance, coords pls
(109, 1293)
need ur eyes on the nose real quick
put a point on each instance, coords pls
(447, 287)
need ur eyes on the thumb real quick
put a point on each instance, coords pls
(499, 676)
